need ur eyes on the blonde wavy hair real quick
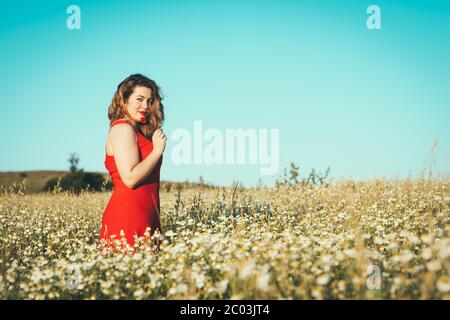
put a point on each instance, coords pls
(117, 109)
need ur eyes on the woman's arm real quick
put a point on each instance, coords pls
(126, 155)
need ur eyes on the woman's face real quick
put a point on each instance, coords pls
(139, 103)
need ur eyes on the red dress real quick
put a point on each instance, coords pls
(132, 210)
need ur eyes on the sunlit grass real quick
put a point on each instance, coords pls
(295, 242)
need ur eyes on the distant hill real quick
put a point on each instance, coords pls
(35, 180)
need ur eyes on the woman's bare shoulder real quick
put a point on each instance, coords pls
(121, 131)
(122, 126)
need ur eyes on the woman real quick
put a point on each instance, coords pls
(134, 149)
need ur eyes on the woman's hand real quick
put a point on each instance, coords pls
(159, 140)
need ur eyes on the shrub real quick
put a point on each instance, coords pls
(79, 180)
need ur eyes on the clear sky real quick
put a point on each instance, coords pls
(367, 103)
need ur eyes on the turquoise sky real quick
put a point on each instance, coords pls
(367, 103)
